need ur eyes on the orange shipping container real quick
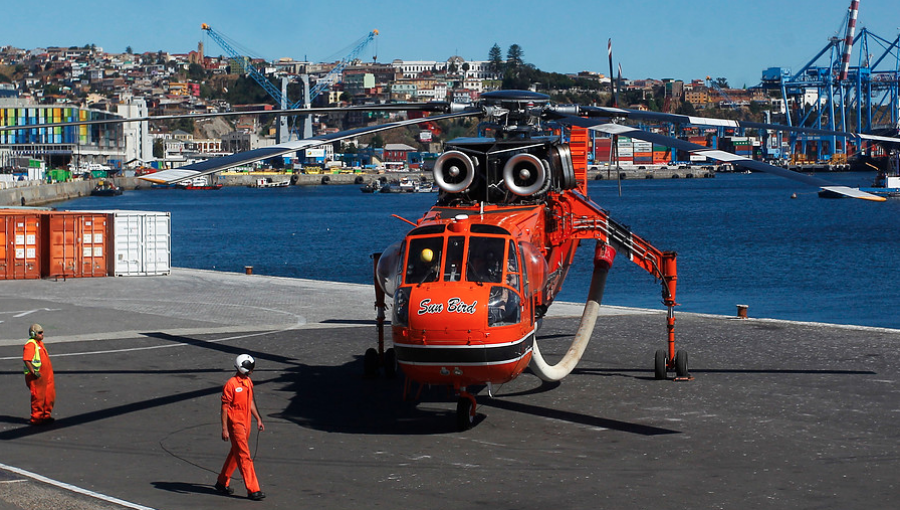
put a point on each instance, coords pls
(19, 245)
(76, 244)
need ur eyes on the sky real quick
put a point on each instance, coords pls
(651, 38)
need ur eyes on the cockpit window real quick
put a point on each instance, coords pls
(481, 228)
(424, 261)
(504, 307)
(456, 246)
(427, 229)
(484, 261)
(513, 278)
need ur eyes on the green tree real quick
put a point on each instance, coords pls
(196, 72)
(722, 82)
(495, 57)
(378, 141)
(128, 50)
(159, 148)
(515, 56)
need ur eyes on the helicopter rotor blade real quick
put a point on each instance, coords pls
(437, 106)
(719, 155)
(214, 165)
(612, 113)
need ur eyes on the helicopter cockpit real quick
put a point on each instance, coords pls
(477, 274)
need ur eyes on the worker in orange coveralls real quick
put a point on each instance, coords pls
(237, 406)
(39, 376)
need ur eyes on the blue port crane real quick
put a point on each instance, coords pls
(334, 75)
(321, 85)
(244, 63)
(829, 93)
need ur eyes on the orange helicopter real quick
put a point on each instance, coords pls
(473, 278)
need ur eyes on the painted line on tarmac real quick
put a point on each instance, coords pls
(73, 488)
(161, 346)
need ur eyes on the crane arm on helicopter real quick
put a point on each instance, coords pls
(577, 217)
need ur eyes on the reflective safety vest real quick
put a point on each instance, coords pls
(36, 359)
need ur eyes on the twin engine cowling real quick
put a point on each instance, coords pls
(502, 171)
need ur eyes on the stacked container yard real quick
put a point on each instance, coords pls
(643, 152)
(661, 154)
(625, 150)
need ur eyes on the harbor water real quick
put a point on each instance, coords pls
(741, 239)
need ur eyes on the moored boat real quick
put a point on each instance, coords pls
(106, 188)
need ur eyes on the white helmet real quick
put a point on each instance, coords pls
(244, 363)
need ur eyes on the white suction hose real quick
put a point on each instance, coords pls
(582, 336)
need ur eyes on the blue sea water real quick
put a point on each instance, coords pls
(740, 239)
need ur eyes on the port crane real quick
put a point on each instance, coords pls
(830, 93)
(280, 96)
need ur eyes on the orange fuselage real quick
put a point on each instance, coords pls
(464, 311)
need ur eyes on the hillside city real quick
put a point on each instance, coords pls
(96, 83)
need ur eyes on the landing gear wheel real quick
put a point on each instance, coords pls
(390, 363)
(681, 364)
(465, 414)
(659, 366)
(370, 363)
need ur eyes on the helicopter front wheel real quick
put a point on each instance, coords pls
(465, 411)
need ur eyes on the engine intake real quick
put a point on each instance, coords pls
(454, 171)
(524, 174)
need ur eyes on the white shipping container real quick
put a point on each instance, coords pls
(142, 243)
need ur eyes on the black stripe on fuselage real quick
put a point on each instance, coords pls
(464, 354)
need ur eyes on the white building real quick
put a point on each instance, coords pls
(469, 69)
(138, 143)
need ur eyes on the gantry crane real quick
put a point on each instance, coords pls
(280, 96)
(831, 94)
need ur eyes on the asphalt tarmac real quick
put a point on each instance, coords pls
(778, 415)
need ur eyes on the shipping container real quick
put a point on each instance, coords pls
(141, 243)
(75, 244)
(20, 254)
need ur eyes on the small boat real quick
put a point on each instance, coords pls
(269, 183)
(885, 186)
(372, 187)
(106, 188)
(199, 183)
(391, 187)
(426, 187)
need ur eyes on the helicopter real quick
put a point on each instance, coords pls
(473, 278)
